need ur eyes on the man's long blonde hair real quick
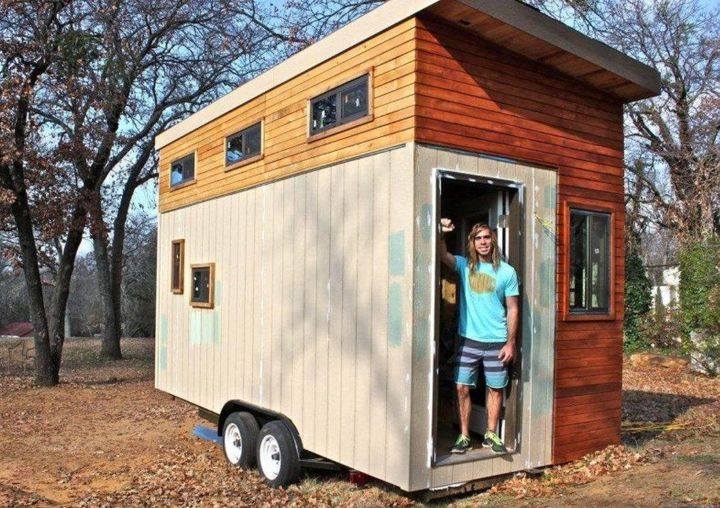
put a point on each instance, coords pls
(495, 254)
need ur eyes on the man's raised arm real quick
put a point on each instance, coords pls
(446, 226)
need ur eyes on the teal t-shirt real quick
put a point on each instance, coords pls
(482, 298)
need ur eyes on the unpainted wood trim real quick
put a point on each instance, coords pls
(211, 287)
(249, 160)
(178, 290)
(370, 72)
(591, 206)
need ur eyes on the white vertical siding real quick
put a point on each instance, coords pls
(313, 307)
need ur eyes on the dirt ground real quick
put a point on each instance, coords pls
(106, 437)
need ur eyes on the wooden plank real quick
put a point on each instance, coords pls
(595, 388)
(310, 311)
(337, 223)
(295, 235)
(379, 407)
(281, 305)
(322, 358)
(348, 367)
(363, 346)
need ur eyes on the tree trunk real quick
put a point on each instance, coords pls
(110, 267)
(110, 347)
(46, 372)
(61, 291)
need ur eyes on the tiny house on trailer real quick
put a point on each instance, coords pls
(301, 302)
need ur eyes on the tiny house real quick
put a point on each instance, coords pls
(301, 303)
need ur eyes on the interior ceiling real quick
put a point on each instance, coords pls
(515, 40)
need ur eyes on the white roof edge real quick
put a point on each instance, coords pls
(359, 30)
(562, 36)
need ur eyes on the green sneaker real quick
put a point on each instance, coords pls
(462, 444)
(493, 441)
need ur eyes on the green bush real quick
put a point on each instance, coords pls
(638, 298)
(700, 299)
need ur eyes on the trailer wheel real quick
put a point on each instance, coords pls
(277, 456)
(239, 436)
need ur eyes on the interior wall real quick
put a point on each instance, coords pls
(537, 321)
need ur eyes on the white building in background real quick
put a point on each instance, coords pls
(668, 289)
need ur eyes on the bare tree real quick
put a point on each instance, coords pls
(33, 36)
(673, 156)
(139, 276)
(136, 68)
(294, 25)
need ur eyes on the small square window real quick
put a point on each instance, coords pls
(178, 259)
(589, 282)
(203, 285)
(243, 145)
(340, 105)
(182, 170)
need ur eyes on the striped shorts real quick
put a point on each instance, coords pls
(471, 354)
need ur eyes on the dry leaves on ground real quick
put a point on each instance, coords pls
(609, 460)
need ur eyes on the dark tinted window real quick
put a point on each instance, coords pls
(182, 170)
(589, 261)
(340, 105)
(243, 145)
(354, 101)
(177, 268)
(324, 113)
(201, 285)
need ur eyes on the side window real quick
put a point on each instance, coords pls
(339, 106)
(182, 170)
(178, 261)
(203, 285)
(243, 145)
(589, 280)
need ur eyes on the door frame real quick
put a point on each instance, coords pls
(512, 411)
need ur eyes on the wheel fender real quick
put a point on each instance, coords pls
(263, 415)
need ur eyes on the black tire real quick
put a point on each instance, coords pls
(246, 429)
(289, 461)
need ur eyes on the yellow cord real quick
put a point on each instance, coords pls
(646, 426)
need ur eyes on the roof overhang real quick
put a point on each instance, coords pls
(511, 24)
(527, 31)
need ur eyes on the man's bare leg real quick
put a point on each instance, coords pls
(464, 407)
(494, 405)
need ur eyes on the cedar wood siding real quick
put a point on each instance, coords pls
(476, 96)
(390, 56)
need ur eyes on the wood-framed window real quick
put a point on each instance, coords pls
(589, 273)
(182, 171)
(202, 291)
(244, 146)
(178, 266)
(341, 107)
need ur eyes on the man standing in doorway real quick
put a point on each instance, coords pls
(488, 323)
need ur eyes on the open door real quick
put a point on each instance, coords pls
(468, 200)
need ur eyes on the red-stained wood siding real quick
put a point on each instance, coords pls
(476, 96)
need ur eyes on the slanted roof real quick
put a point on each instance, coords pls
(508, 23)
